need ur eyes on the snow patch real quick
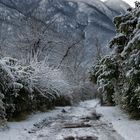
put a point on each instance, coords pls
(129, 129)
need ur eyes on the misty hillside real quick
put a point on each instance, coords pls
(74, 20)
(117, 5)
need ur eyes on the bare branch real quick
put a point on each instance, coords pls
(67, 52)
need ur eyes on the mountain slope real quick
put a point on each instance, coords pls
(117, 5)
(68, 20)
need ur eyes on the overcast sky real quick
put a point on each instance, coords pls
(130, 2)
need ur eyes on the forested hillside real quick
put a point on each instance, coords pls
(118, 74)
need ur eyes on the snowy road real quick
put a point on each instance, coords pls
(64, 123)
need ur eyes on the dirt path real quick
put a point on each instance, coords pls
(73, 123)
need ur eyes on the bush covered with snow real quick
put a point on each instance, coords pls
(25, 89)
(118, 75)
(104, 74)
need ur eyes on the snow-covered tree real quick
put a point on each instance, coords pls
(118, 75)
(26, 88)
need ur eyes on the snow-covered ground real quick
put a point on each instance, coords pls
(78, 121)
(19, 130)
(129, 129)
